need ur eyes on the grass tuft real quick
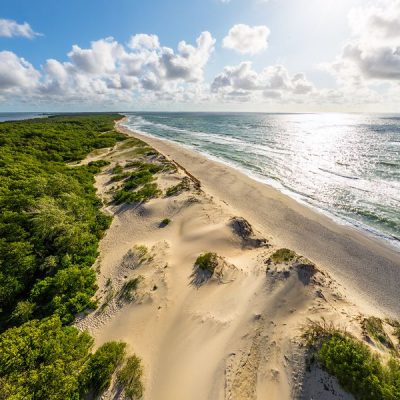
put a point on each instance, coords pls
(207, 262)
(374, 328)
(129, 377)
(129, 288)
(179, 188)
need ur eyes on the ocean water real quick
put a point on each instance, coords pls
(18, 116)
(345, 165)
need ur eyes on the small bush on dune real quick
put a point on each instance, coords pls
(147, 192)
(139, 186)
(99, 163)
(165, 222)
(283, 255)
(96, 166)
(207, 262)
(119, 177)
(358, 370)
(102, 365)
(130, 378)
(117, 170)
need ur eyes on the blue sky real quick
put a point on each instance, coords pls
(301, 58)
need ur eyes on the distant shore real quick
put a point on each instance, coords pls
(354, 259)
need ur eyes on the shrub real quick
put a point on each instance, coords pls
(102, 365)
(283, 255)
(130, 378)
(119, 177)
(358, 370)
(50, 216)
(165, 222)
(145, 193)
(23, 311)
(117, 170)
(42, 360)
(99, 163)
(207, 262)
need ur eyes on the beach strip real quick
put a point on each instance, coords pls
(357, 261)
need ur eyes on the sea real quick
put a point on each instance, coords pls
(18, 116)
(344, 165)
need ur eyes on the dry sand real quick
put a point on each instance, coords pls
(360, 262)
(236, 335)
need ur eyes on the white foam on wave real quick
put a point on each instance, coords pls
(139, 123)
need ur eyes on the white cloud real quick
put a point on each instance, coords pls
(373, 51)
(272, 82)
(16, 73)
(107, 71)
(142, 40)
(246, 39)
(100, 58)
(10, 28)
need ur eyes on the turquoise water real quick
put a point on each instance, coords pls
(346, 165)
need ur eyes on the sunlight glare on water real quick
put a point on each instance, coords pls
(347, 165)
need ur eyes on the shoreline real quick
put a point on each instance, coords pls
(354, 258)
(388, 240)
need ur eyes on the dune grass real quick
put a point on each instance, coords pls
(373, 326)
(129, 288)
(139, 185)
(179, 188)
(207, 262)
(130, 378)
(358, 370)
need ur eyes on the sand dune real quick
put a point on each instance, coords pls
(235, 334)
(358, 261)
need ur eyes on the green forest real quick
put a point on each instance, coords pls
(50, 227)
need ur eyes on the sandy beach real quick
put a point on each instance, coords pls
(369, 266)
(237, 333)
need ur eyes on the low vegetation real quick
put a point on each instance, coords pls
(207, 262)
(50, 226)
(50, 219)
(283, 256)
(165, 222)
(139, 185)
(43, 360)
(358, 370)
(179, 188)
(373, 327)
(130, 378)
(396, 330)
(101, 366)
(117, 170)
(98, 163)
(129, 288)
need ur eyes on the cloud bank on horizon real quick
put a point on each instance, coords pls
(145, 72)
